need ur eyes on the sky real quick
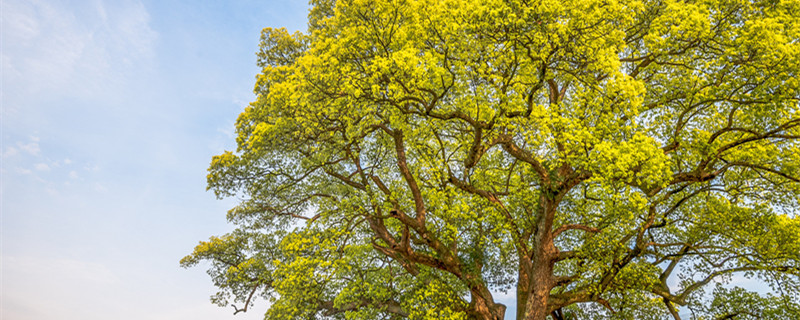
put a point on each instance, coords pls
(110, 114)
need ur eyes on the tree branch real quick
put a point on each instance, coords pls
(566, 227)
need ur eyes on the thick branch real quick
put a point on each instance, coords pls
(525, 156)
(402, 163)
(566, 227)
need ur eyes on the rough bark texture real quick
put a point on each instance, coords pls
(523, 286)
(540, 278)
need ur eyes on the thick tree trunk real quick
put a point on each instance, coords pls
(540, 276)
(541, 279)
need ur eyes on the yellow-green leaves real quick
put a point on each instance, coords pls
(435, 300)
(678, 24)
(405, 158)
(639, 162)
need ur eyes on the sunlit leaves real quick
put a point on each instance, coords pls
(403, 158)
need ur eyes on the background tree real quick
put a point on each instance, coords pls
(602, 159)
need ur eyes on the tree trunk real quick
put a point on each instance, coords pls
(540, 277)
(523, 286)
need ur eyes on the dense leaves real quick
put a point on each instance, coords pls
(599, 159)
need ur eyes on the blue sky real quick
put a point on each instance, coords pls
(111, 111)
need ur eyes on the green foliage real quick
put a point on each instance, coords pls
(738, 303)
(606, 159)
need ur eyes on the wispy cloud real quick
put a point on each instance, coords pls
(10, 152)
(72, 50)
(31, 147)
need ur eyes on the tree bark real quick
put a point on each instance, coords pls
(541, 280)
(540, 277)
(523, 286)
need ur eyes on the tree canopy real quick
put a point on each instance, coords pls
(596, 159)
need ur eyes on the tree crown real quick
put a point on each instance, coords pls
(410, 159)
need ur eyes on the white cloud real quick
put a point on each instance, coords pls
(23, 171)
(136, 35)
(10, 152)
(67, 161)
(42, 167)
(23, 25)
(70, 49)
(73, 174)
(31, 148)
(45, 44)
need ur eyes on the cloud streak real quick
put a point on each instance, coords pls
(69, 50)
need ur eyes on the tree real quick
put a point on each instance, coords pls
(597, 158)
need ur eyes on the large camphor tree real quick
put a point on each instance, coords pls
(593, 159)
